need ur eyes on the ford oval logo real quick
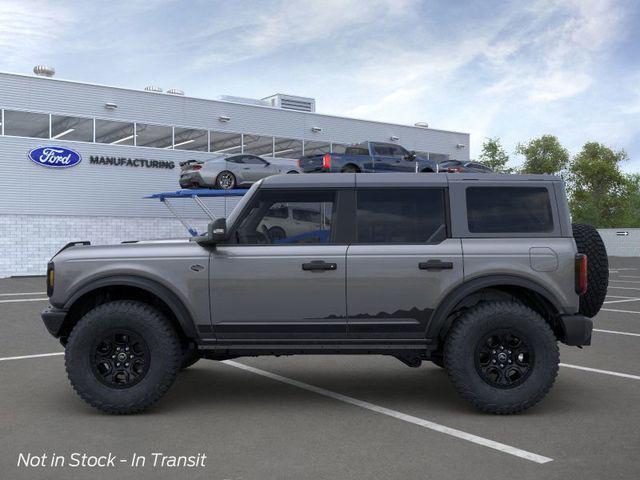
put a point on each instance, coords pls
(56, 157)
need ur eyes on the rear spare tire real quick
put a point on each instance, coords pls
(590, 243)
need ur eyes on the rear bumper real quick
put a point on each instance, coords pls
(575, 330)
(53, 319)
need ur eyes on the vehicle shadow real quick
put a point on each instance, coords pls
(203, 385)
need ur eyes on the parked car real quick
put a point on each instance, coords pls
(481, 274)
(460, 166)
(368, 157)
(291, 224)
(229, 171)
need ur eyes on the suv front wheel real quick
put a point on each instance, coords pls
(501, 356)
(122, 356)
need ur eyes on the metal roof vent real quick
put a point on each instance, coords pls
(292, 102)
(422, 124)
(44, 71)
(175, 91)
(153, 88)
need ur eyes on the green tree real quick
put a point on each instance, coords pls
(601, 194)
(543, 155)
(494, 156)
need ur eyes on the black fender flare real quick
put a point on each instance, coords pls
(438, 323)
(182, 314)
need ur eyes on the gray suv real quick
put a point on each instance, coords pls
(482, 274)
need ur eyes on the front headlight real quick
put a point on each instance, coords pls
(50, 278)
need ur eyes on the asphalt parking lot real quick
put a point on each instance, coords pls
(342, 417)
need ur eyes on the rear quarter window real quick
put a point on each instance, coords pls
(509, 210)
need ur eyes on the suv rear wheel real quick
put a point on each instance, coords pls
(122, 356)
(501, 356)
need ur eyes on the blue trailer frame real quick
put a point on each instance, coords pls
(196, 195)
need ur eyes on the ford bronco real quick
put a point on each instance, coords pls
(481, 274)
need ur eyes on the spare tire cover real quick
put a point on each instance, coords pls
(590, 243)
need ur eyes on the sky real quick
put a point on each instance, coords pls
(508, 69)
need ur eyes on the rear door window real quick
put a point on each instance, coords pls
(509, 210)
(415, 216)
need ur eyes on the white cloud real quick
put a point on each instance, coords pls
(29, 30)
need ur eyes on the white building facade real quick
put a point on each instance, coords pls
(129, 144)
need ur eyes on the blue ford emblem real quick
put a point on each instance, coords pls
(56, 157)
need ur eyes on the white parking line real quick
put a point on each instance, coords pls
(624, 281)
(628, 299)
(39, 355)
(24, 300)
(616, 332)
(485, 442)
(16, 294)
(629, 276)
(618, 311)
(623, 288)
(597, 370)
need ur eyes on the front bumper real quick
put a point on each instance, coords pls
(53, 319)
(575, 330)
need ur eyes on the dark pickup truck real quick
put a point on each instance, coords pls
(368, 157)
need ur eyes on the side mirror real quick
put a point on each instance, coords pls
(216, 233)
(410, 156)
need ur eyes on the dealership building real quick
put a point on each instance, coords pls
(127, 144)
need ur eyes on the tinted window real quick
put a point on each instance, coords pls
(26, 124)
(267, 220)
(115, 133)
(190, 139)
(238, 159)
(287, 148)
(72, 128)
(401, 216)
(250, 159)
(258, 145)
(509, 210)
(228, 143)
(357, 151)
(157, 136)
(316, 148)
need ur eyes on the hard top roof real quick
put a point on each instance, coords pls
(395, 179)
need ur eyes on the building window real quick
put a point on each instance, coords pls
(339, 148)
(287, 148)
(316, 148)
(157, 136)
(226, 143)
(26, 124)
(257, 145)
(190, 139)
(115, 133)
(71, 128)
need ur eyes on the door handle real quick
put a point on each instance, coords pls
(319, 266)
(435, 265)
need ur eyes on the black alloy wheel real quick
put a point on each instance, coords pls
(504, 359)
(120, 359)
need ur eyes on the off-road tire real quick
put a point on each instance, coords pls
(590, 243)
(468, 332)
(190, 355)
(146, 322)
(437, 359)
